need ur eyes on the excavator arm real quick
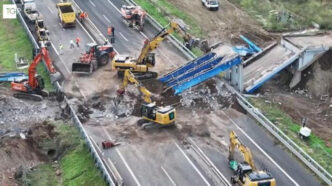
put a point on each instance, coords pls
(129, 77)
(235, 143)
(151, 45)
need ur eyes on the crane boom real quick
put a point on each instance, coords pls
(130, 77)
(235, 143)
(150, 45)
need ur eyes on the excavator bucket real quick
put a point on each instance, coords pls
(82, 68)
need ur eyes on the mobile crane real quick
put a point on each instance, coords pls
(152, 115)
(33, 87)
(146, 59)
(245, 172)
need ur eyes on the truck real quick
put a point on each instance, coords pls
(30, 10)
(211, 4)
(66, 14)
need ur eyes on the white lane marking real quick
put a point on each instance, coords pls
(123, 36)
(169, 177)
(106, 18)
(114, 6)
(50, 9)
(146, 37)
(275, 163)
(123, 160)
(192, 164)
(76, 84)
(57, 53)
(86, 31)
(92, 3)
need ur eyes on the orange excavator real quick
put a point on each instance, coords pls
(33, 87)
(133, 16)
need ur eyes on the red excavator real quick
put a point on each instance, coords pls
(95, 56)
(33, 87)
(133, 16)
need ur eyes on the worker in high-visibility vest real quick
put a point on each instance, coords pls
(110, 33)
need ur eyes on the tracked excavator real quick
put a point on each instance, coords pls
(246, 173)
(140, 66)
(153, 116)
(33, 87)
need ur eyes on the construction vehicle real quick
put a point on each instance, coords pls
(153, 116)
(146, 59)
(245, 172)
(39, 24)
(94, 57)
(133, 16)
(30, 10)
(32, 88)
(211, 4)
(66, 14)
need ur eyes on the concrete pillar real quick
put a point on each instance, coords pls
(233, 75)
(240, 77)
(228, 75)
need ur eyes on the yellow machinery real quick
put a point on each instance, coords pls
(245, 172)
(146, 59)
(153, 115)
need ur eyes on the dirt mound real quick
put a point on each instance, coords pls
(25, 151)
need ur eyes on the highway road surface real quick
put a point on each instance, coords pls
(162, 158)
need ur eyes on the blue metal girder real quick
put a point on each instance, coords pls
(194, 72)
(12, 76)
(207, 75)
(196, 62)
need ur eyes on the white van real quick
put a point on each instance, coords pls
(211, 4)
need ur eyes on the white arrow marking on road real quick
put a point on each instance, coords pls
(275, 163)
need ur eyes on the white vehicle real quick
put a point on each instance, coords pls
(211, 4)
(30, 10)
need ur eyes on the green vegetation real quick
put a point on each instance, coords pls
(76, 164)
(13, 39)
(314, 146)
(164, 12)
(282, 15)
(42, 175)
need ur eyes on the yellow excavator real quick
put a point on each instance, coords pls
(153, 116)
(146, 59)
(245, 172)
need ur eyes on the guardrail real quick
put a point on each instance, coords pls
(178, 44)
(98, 161)
(275, 131)
(283, 138)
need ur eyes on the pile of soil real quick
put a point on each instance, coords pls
(25, 151)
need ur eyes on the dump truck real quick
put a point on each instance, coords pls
(66, 14)
(30, 10)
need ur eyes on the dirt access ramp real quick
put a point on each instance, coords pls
(226, 24)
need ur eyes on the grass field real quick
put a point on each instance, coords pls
(166, 12)
(76, 164)
(284, 15)
(314, 146)
(13, 39)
